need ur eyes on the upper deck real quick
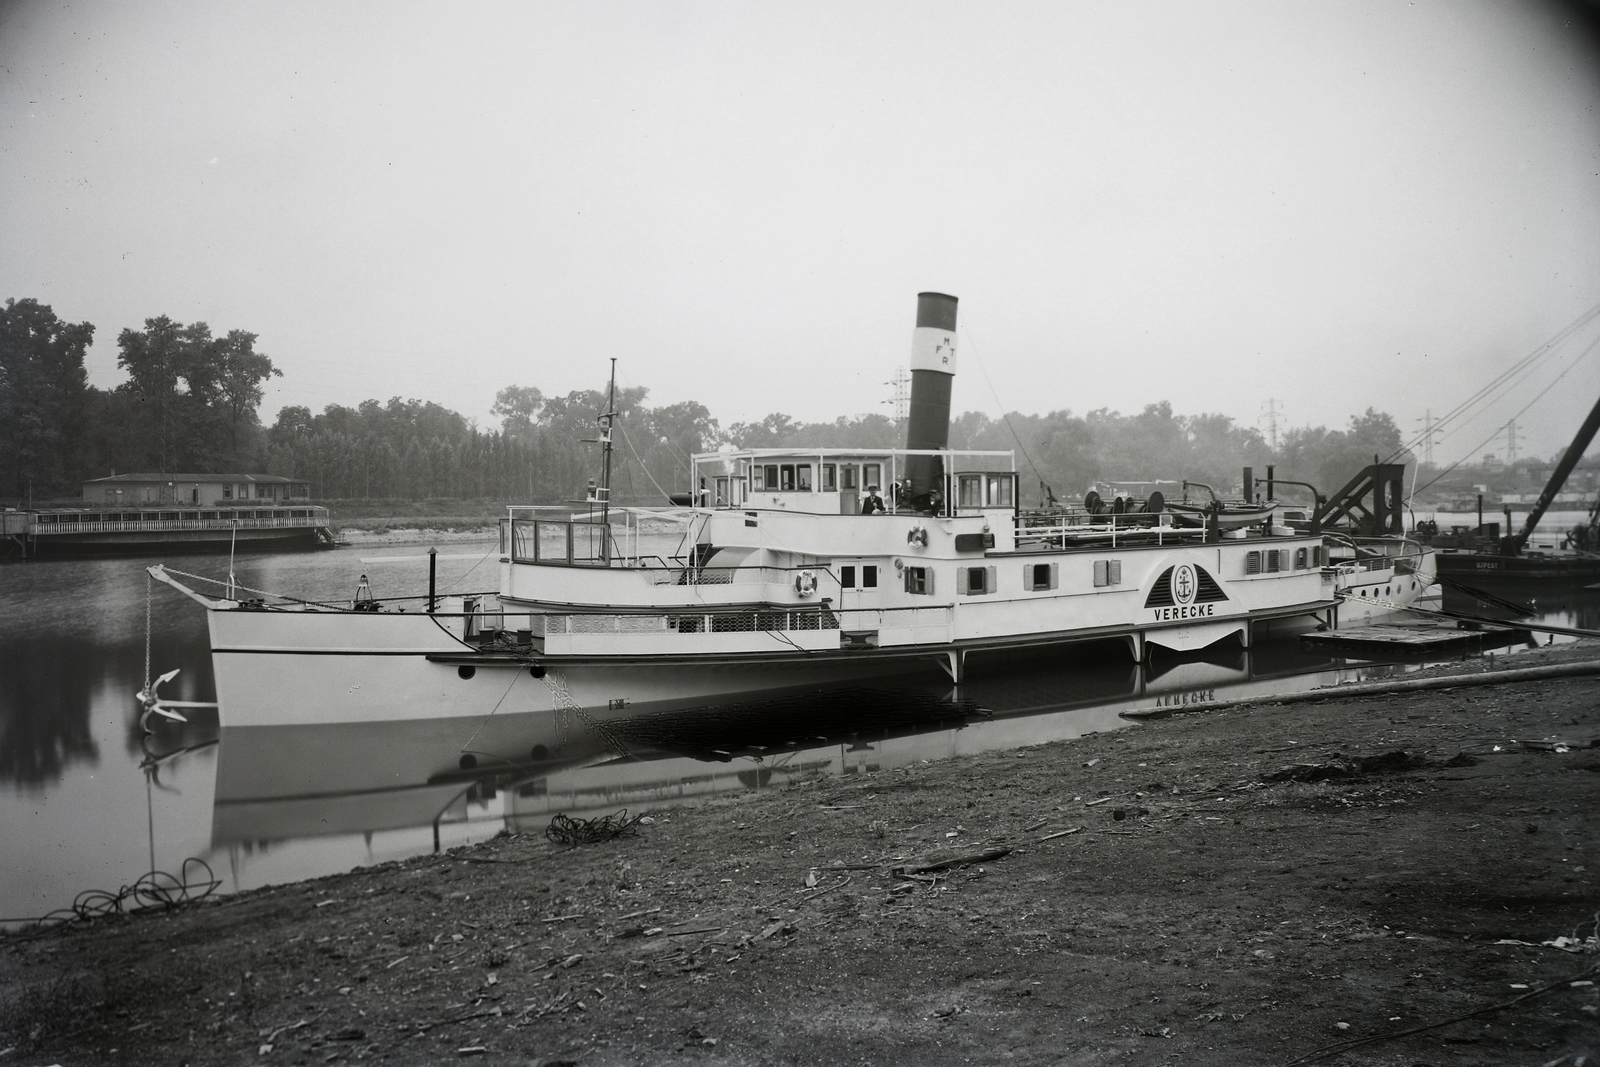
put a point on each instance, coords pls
(843, 481)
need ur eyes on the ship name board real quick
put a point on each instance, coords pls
(1184, 611)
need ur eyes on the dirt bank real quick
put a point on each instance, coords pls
(1245, 886)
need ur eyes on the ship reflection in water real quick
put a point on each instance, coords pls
(280, 789)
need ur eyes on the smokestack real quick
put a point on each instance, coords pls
(933, 366)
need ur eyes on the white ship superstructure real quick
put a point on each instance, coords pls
(800, 566)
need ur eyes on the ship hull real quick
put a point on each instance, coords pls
(1542, 568)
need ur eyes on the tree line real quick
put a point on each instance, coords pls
(191, 404)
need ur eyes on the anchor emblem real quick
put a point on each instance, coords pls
(1183, 584)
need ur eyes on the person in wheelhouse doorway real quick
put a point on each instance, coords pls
(873, 504)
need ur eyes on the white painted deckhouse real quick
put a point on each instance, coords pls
(793, 572)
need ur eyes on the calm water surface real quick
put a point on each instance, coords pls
(88, 800)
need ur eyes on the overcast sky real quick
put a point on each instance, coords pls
(1327, 205)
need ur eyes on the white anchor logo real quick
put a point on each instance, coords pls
(1183, 584)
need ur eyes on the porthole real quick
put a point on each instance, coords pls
(537, 670)
(540, 752)
(468, 761)
(465, 672)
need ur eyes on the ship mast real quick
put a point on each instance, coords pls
(605, 419)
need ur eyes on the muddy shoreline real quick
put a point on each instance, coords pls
(1247, 885)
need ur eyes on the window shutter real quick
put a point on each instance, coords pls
(990, 581)
(1114, 572)
(1027, 577)
(1252, 563)
(1100, 573)
(1055, 574)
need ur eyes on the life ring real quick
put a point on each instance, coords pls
(805, 584)
(917, 537)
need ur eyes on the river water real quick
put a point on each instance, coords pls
(89, 800)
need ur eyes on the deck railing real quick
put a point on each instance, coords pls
(728, 622)
(46, 525)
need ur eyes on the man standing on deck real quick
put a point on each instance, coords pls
(873, 504)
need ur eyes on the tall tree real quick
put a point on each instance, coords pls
(44, 393)
(241, 374)
(198, 393)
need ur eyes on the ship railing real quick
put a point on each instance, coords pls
(1034, 532)
(776, 620)
(683, 574)
(57, 524)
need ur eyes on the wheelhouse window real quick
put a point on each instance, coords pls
(802, 474)
(847, 477)
(999, 491)
(847, 577)
(771, 482)
(785, 478)
(969, 491)
(829, 481)
(869, 577)
(872, 474)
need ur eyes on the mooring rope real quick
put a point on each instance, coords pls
(565, 830)
(149, 596)
(152, 889)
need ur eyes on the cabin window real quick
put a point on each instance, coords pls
(785, 478)
(829, 480)
(847, 477)
(869, 576)
(1107, 572)
(1252, 563)
(1040, 576)
(1274, 561)
(802, 475)
(919, 580)
(847, 577)
(979, 580)
(227, 492)
(871, 475)
(999, 493)
(771, 482)
(1300, 559)
(969, 491)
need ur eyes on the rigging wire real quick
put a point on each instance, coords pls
(629, 442)
(972, 342)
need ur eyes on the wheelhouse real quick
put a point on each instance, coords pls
(840, 481)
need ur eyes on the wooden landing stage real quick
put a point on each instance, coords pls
(1416, 638)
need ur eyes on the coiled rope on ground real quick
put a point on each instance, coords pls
(565, 830)
(153, 889)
